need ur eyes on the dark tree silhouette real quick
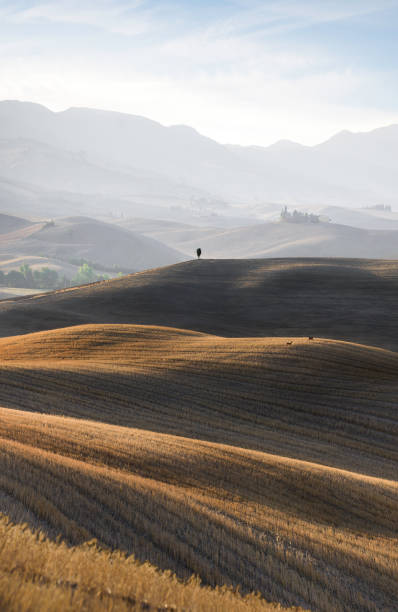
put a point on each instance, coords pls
(198, 253)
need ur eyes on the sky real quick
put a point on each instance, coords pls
(239, 71)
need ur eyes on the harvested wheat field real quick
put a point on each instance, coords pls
(344, 299)
(268, 464)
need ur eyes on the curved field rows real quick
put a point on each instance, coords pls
(266, 463)
(299, 533)
(37, 574)
(329, 402)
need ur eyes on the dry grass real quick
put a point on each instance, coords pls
(282, 478)
(329, 402)
(36, 574)
(344, 299)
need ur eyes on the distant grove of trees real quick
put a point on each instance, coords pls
(298, 217)
(46, 278)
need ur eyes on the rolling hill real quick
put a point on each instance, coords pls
(366, 218)
(293, 240)
(172, 233)
(215, 434)
(352, 234)
(191, 384)
(283, 451)
(343, 299)
(9, 223)
(81, 238)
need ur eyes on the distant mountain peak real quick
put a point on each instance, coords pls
(285, 145)
(130, 156)
(17, 105)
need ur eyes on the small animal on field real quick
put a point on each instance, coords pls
(289, 342)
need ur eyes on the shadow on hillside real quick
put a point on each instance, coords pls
(232, 298)
(345, 420)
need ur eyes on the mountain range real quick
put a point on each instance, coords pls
(139, 162)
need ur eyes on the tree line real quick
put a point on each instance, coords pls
(47, 278)
(298, 217)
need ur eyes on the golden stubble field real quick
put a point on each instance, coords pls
(268, 464)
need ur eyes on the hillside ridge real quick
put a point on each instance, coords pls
(342, 299)
(186, 383)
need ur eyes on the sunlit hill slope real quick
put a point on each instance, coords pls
(251, 461)
(181, 434)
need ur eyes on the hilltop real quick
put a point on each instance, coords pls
(344, 299)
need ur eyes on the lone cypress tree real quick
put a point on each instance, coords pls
(198, 253)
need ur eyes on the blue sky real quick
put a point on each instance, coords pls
(245, 72)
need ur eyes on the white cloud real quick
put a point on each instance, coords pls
(237, 79)
(118, 17)
(271, 16)
(278, 16)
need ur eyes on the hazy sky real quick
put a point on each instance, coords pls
(239, 71)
